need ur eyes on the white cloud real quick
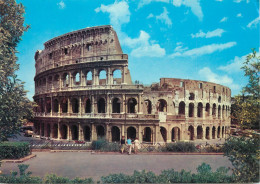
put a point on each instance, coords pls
(150, 16)
(207, 49)
(145, 2)
(239, 15)
(209, 34)
(143, 46)
(164, 18)
(180, 47)
(224, 19)
(234, 65)
(61, 5)
(254, 23)
(210, 76)
(193, 4)
(118, 13)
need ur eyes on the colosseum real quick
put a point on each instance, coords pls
(84, 91)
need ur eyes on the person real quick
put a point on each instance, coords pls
(136, 145)
(122, 144)
(129, 145)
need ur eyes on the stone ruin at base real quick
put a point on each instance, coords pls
(79, 96)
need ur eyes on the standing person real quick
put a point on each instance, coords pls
(129, 145)
(122, 144)
(136, 145)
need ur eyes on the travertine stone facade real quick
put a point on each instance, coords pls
(83, 89)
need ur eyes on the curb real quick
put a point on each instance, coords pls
(19, 160)
(53, 151)
(154, 153)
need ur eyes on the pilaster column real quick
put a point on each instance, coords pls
(195, 133)
(80, 106)
(68, 133)
(203, 133)
(107, 132)
(123, 130)
(80, 132)
(109, 79)
(186, 110)
(82, 78)
(139, 104)
(108, 104)
(69, 105)
(140, 137)
(123, 75)
(93, 104)
(210, 133)
(93, 132)
(59, 134)
(195, 111)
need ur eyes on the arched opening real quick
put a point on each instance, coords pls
(192, 96)
(89, 78)
(219, 112)
(48, 130)
(181, 108)
(102, 77)
(87, 133)
(223, 112)
(200, 112)
(147, 135)
(213, 132)
(207, 133)
(132, 105)
(191, 132)
(214, 110)
(163, 133)
(64, 131)
(117, 77)
(162, 106)
(64, 105)
(49, 81)
(101, 105)
(65, 80)
(88, 106)
(116, 105)
(199, 132)
(207, 109)
(131, 133)
(218, 133)
(175, 134)
(148, 105)
(55, 105)
(74, 132)
(76, 78)
(115, 134)
(75, 105)
(42, 129)
(55, 131)
(100, 131)
(219, 99)
(56, 81)
(223, 130)
(48, 104)
(191, 110)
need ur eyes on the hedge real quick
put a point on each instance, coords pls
(14, 150)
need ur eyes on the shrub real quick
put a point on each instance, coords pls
(14, 150)
(181, 147)
(104, 145)
(98, 144)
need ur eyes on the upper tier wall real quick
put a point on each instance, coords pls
(90, 44)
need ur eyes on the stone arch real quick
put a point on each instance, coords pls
(200, 110)
(191, 109)
(65, 79)
(181, 108)
(89, 78)
(74, 132)
(207, 109)
(131, 132)
(223, 111)
(55, 105)
(163, 132)
(48, 130)
(64, 105)
(192, 96)
(199, 132)
(100, 131)
(213, 132)
(115, 131)
(64, 131)
(131, 104)
(87, 105)
(117, 76)
(147, 134)
(101, 105)
(75, 105)
(207, 133)
(219, 112)
(48, 104)
(162, 105)
(219, 99)
(214, 108)
(102, 76)
(191, 132)
(116, 105)
(218, 132)
(148, 105)
(87, 133)
(176, 134)
(223, 131)
(55, 131)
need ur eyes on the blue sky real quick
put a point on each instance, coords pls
(191, 39)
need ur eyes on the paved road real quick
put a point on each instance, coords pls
(85, 164)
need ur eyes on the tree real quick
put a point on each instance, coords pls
(245, 110)
(14, 106)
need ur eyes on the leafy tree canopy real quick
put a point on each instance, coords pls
(14, 106)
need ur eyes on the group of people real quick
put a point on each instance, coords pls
(129, 144)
